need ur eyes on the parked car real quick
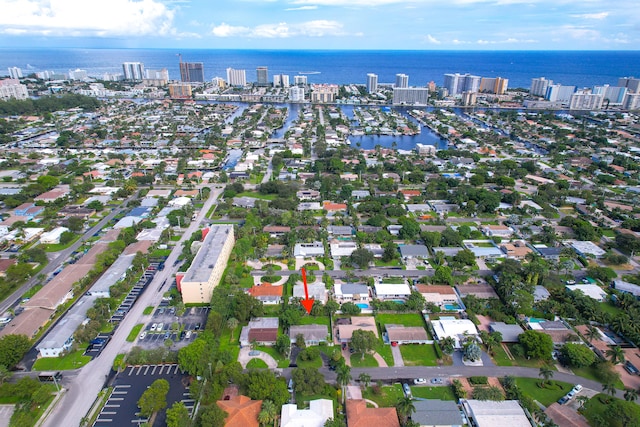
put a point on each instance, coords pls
(420, 381)
(394, 344)
(563, 400)
(577, 388)
(437, 381)
(160, 326)
(406, 389)
(154, 327)
(143, 335)
(188, 335)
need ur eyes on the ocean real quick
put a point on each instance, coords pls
(579, 68)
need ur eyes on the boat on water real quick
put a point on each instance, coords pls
(308, 72)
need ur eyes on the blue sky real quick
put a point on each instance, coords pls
(323, 24)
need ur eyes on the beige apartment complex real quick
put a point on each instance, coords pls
(207, 267)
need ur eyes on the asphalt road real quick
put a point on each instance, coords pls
(369, 272)
(84, 384)
(60, 257)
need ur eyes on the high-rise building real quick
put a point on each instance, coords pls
(219, 82)
(372, 83)
(631, 102)
(402, 80)
(12, 88)
(296, 94)
(300, 80)
(45, 75)
(612, 95)
(469, 98)
(15, 72)
(410, 95)
(280, 80)
(133, 71)
(78, 74)
(539, 86)
(262, 76)
(457, 83)
(585, 100)
(157, 74)
(180, 91)
(324, 93)
(112, 77)
(497, 85)
(631, 83)
(192, 72)
(236, 77)
(560, 93)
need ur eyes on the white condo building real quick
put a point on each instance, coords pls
(296, 94)
(631, 83)
(584, 100)
(133, 70)
(236, 77)
(410, 96)
(205, 272)
(402, 80)
(15, 72)
(458, 83)
(560, 93)
(631, 102)
(12, 88)
(281, 80)
(372, 83)
(539, 86)
(614, 95)
(300, 80)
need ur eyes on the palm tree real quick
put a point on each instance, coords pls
(630, 394)
(609, 388)
(546, 373)
(615, 354)
(270, 410)
(365, 379)
(592, 333)
(264, 418)
(582, 399)
(343, 376)
(405, 408)
(232, 324)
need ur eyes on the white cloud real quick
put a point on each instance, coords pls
(579, 33)
(302, 8)
(317, 28)
(598, 16)
(78, 18)
(432, 40)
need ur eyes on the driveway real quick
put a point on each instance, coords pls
(244, 358)
(397, 356)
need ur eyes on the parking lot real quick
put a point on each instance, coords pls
(165, 324)
(122, 407)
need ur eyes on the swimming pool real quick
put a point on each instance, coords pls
(363, 306)
(451, 307)
(536, 320)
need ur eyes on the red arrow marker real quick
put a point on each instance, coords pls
(306, 302)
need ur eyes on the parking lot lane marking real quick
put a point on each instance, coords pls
(131, 368)
(116, 398)
(154, 369)
(123, 386)
(104, 420)
(146, 370)
(175, 371)
(109, 413)
(139, 369)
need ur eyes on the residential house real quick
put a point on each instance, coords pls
(241, 411)
(309, 206)
(592, 291)
(516, 250)
(458, 329)
(540, 293)
(489, 413)
(53, 195)
(481, 291)
(340, 230)
(359, 415)
(414, 251)
(276, 230)
(5, 263)
(320, 410)
(364, 323)
(351, 292)
(313, 334)
(53, 236)
(76, 212)
(28, 210)
(387, 291)
(497, 230)
(407, 334)
(552, 253)
(340, 248)
(315, 290)
(436, 413)
(622, 286)
(308, 195)
(332, 207)
(438, 294)
(510, 333)
(308, 250)
(360, 194)
(587, 249)
(409, 194)
(262, 330)
(375, 248)
(267, 293)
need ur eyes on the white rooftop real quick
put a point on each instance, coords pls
(319, 412)
(592, 291)
(392, 289)
(487, 413)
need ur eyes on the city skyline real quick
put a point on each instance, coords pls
(323, 24)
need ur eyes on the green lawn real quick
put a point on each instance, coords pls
(528, 363)
(590, 373)
(419, 355)
(314, 320)
(232, 346)
(441, 393)
(134, 332)
(412, 319)
(282, 361)
(388, 396)
(385, 351)
(392, 263)
(256, 364)
(607, 307)
(548, 394)
(274, 267)
(358, 362)
(70, 361)
(257, 195)
(500, 357)
(59, 246)
(596, 407)
(315, 363)
(609, 233)
(393, 280)
(148, 310)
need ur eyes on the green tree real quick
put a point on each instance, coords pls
(211, 416)
(66, 237)
(365, 379)
(343, 376)
(405, 408)
(488, 393)
(178, 415)
(615, 354)
(262, 384)
(308, 381)
(350, 308)
(577, 355)
(154, 398)
(537, 345)
(363, 341)
(269, 412)
(283, 345)
(623, 413)
(546, 373)
(361, 257)
(443, 275)
(12, 349)
(630, 394)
